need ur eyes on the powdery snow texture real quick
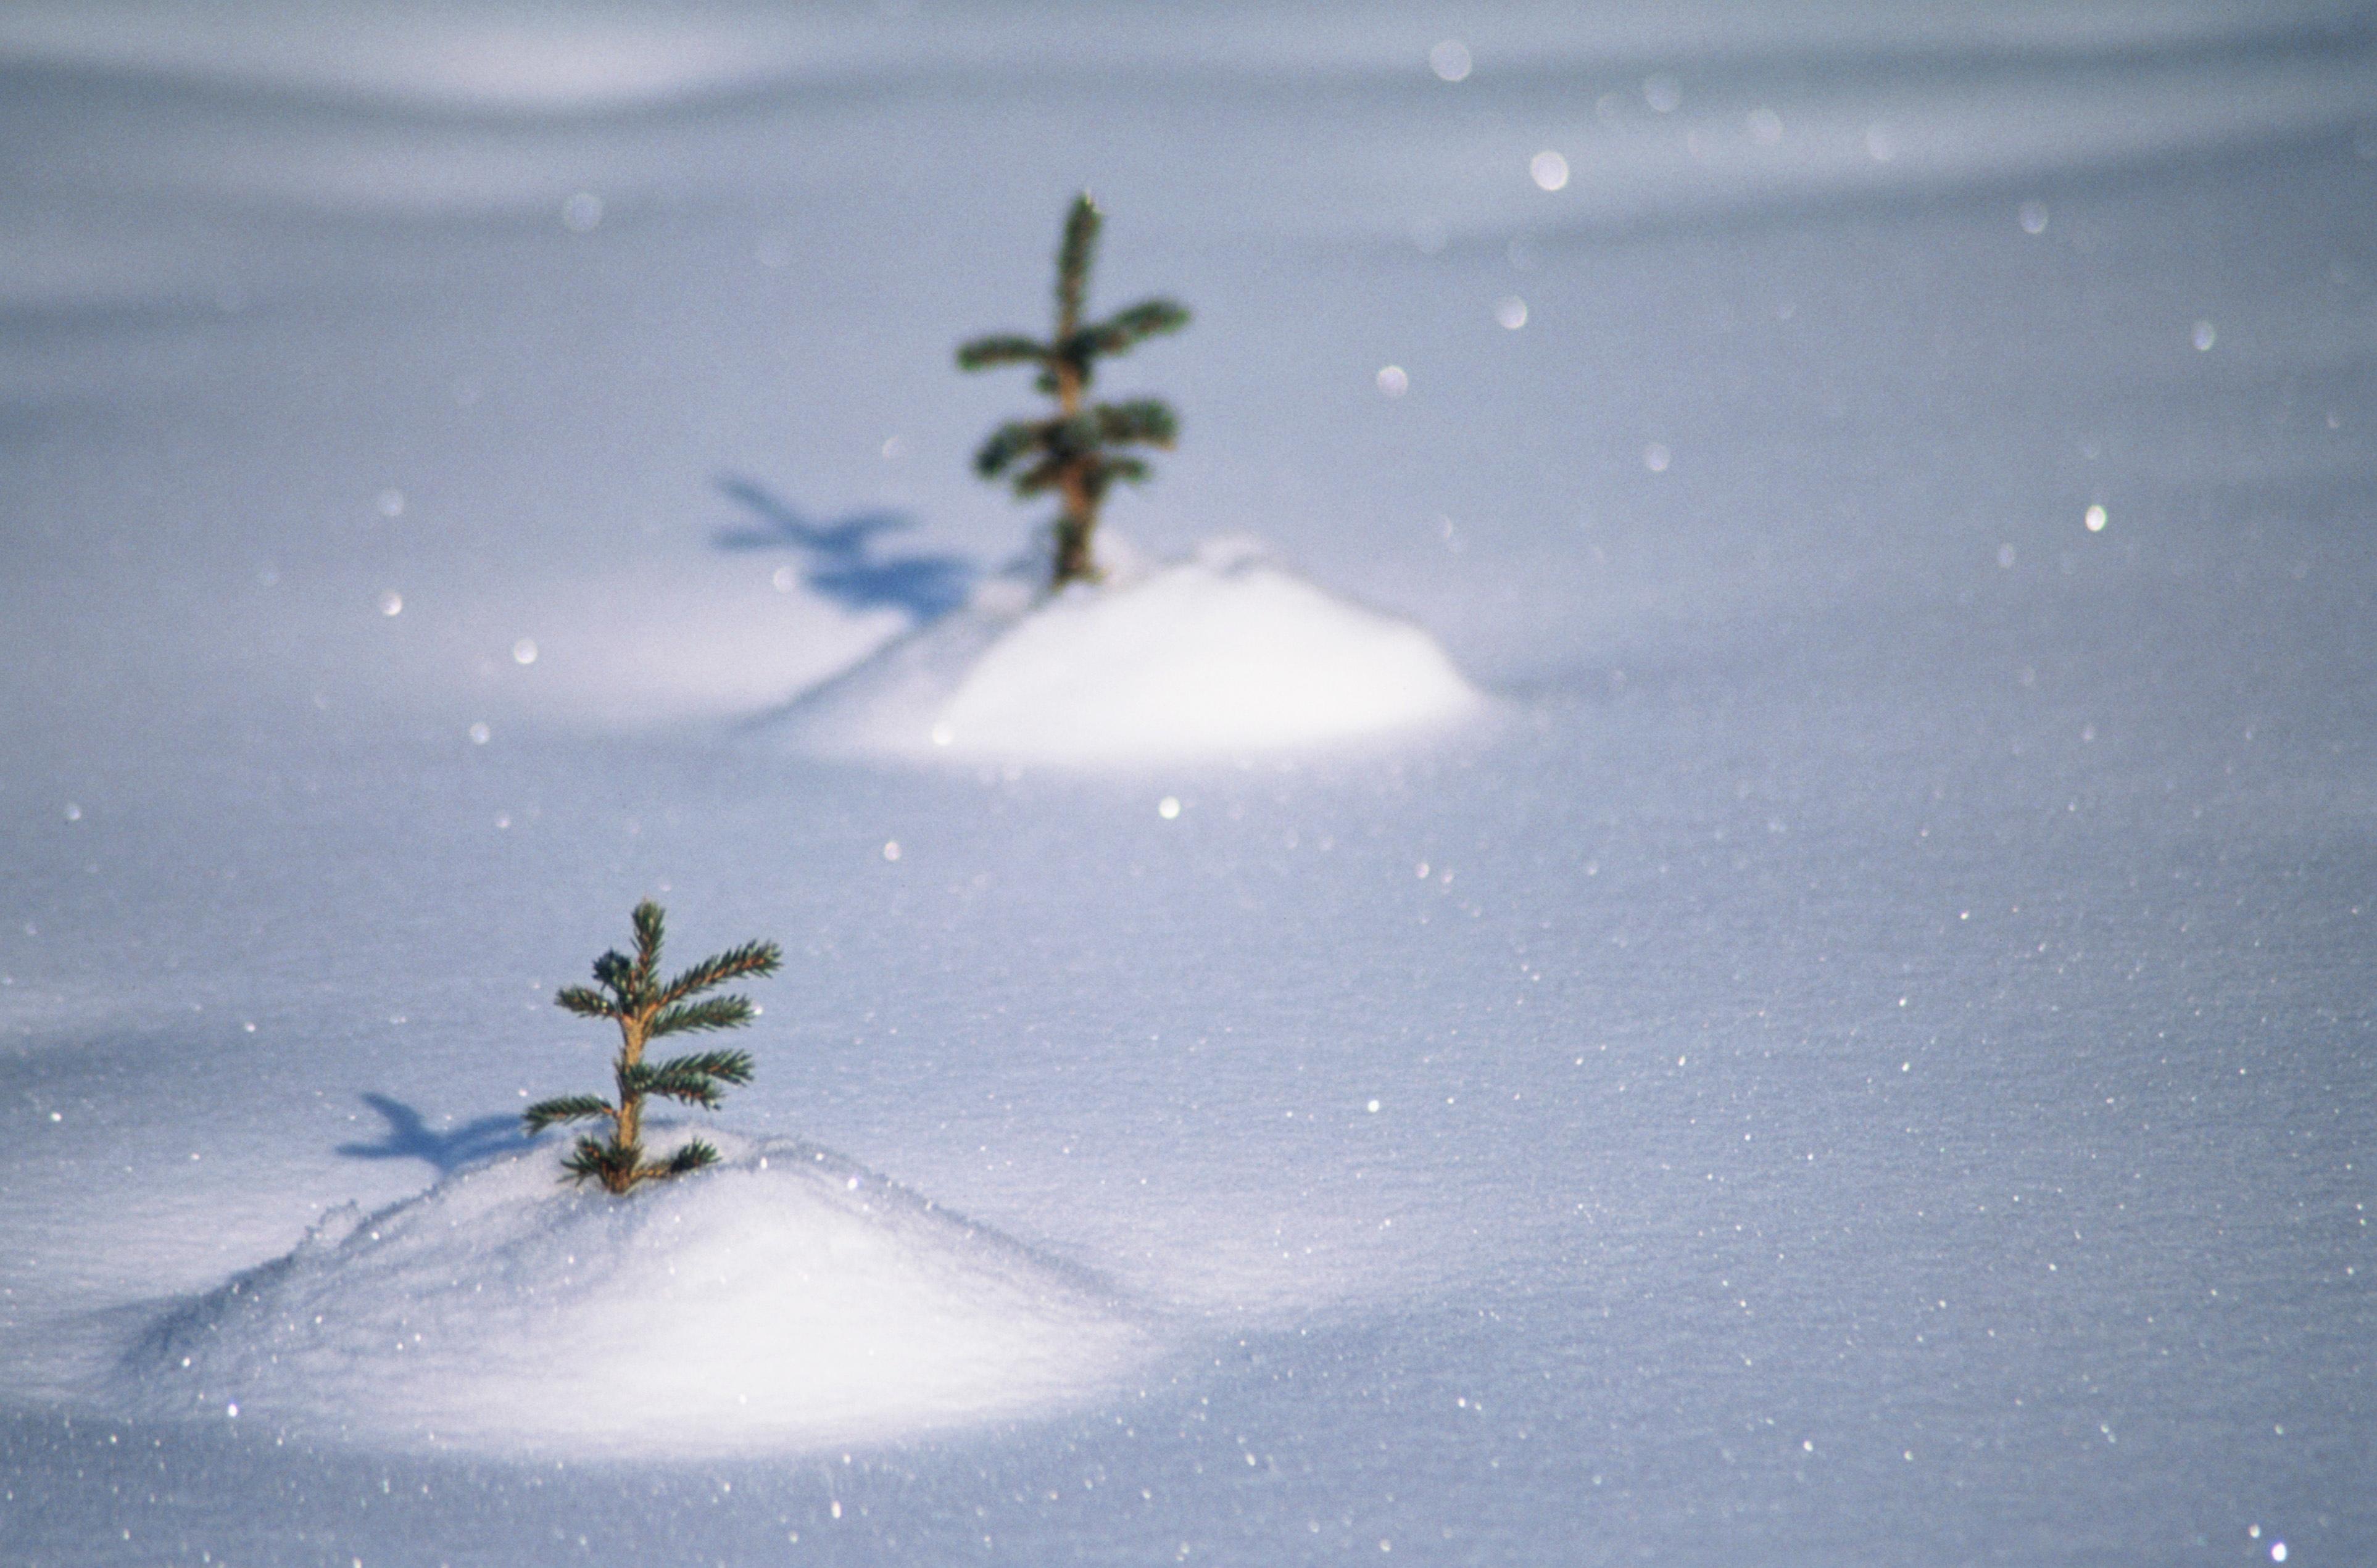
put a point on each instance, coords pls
(785, 1298)
(1216, 657)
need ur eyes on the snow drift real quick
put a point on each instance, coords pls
(1220, 655)
(786, 1298)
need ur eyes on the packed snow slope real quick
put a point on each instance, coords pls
(1867, 1058)
(1218, 658)
(784, 1298)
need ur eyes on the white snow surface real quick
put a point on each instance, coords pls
(1216, 657)
(1863, 1052)
(784, 1298)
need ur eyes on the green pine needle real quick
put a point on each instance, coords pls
(613, 1164)
(585, 1002)
(1073, 258)
(1040, 480)
(686, 1088)
(726, 1066)
(647, 917)
(1001, 348)
(1142, 420)
(758, 959)
(691, 1017)
(696, 1079)
(568, 1107)
(690, 1159)
(1006, 443)
(1146, 319)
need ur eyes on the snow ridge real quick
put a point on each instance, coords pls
(1216, 657)
(785, 1300)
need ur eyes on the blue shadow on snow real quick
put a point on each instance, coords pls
(409, 1137)
(842, 563)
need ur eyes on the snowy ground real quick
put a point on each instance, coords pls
(1863, 1054)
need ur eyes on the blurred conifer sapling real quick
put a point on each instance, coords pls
(1078, 451)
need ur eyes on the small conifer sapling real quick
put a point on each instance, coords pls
(1081, 450)
(631, 993)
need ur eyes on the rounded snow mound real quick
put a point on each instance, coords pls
(1218, 656)
(784, 1298)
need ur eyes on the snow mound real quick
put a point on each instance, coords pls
(782, 1300)
(1218, 656)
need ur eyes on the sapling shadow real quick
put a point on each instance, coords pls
(1079, 451)
(631, 993)
(844, 563)
(409, 1137)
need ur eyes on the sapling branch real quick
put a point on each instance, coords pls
(691, 1158)
(717, 1012)
(583, 1002)
(569, 1107)
(751, 958)
(645, 1010)
(1074, 454)
(726, 1066)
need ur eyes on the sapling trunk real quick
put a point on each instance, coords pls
(1078, 453)
(630, 1126)
(1078, 521)
(631, 993)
